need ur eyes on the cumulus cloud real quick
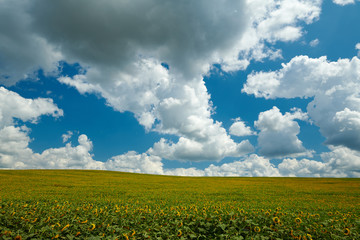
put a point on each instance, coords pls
(314, 42)
(344, 160)
(252, 166)
(357, 47)
(123, 45)
(334, 87)
(136, 163)
(66, 136)
(278, 133)
(343, 2)
(13, 106)
(238, 128)
(14, 137)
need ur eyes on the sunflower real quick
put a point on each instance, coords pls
(276, 220)
(346, 231)
(92, 227)
(257, 229)
(298, 220)
(179, 233)
(66, 226)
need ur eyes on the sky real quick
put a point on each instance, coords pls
(190, 88)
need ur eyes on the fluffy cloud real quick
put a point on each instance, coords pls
(145, 163)
(344, 2)
(335, 87)
(122, 47)
(213, 149)
(15, 153)
(238, 128)
(343, 160)
(304, 168)
(14, 137)
(357, 47)
(136, 163)
(278, 133)
(314, 42)
(252, 166)
(13, 106)
(67, 136)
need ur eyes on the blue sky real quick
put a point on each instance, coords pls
(197, 89)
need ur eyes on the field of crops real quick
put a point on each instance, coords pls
(75, 204)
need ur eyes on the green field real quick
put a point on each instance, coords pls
(78, 204)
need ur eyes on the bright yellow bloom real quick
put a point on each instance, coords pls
(66, 226)
(346, 231)
(92, 227)
(298, 220)
(179, 233)
(276, 220)
(257, 229)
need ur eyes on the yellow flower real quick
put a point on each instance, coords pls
(298, 220)
(66, 226)
(133, 233)
(346, 231)
(179, 233)
(93, 227)
(276, 220)
(257, 229)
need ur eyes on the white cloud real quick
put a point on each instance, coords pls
(304, 168)
(344, 160)
(357, 47)
(136, 163)
(123, 45)
(273, 21)
(13, 106)
(335, 87)
(66, 136)
(212, 149)
(14, 140)
(238, 128)
(314, 42)
(343, 2)
(278, 133)
(252, 166)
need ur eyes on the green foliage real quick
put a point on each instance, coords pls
(73, 204)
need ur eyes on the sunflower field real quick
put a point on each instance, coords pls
(79, 204)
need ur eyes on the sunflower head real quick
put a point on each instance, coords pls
(276, 220)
